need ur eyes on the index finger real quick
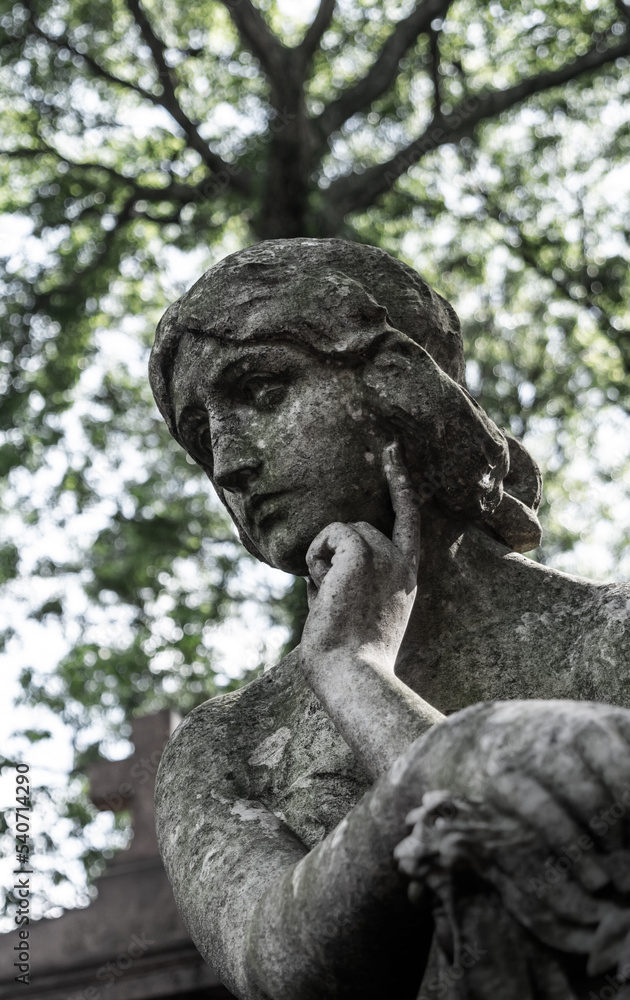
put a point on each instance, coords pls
(406, 504)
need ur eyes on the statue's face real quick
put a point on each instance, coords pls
(287, 436)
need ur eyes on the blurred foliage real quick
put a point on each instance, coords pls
(484, 143)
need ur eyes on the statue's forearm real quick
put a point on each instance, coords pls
(336, 923)
(376, 713)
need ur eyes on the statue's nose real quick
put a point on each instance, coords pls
(236, 456)
(236, 464)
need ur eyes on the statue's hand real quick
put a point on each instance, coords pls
(561, 768)
(361, 594)
(362, 585)
(534, 800)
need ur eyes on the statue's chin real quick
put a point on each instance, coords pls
(285, 548)
(290, 559)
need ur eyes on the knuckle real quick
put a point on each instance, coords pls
(366, 536)
(325, 536)
(312, 550)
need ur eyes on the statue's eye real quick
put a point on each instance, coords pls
(196, 435)
(202, 438)
(263, 389)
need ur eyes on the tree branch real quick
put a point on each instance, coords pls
(434, 41)
(182, 193)
(382, 72)
(258, 39)
(307, 47)
(42, 300)
(156, 45)
(623, 10)
(231, 175)
(235, 178)
(527, 248)
(357, 191)
(62, 42)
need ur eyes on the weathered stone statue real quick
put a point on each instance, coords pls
(328, 831)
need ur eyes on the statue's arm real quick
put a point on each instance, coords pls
(278, 922)
(536, 779)
(275, 920)
(361, 590)
(377, 714)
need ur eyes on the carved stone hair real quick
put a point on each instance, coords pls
(358, 304)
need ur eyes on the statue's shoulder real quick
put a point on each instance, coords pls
(583, 637)
(228, 724)
(601, 655)
(592, 613)
(270, 742)
(607, 605)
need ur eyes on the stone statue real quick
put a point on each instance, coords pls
(344, 826)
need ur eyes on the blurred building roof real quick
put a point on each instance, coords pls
(130, 943)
